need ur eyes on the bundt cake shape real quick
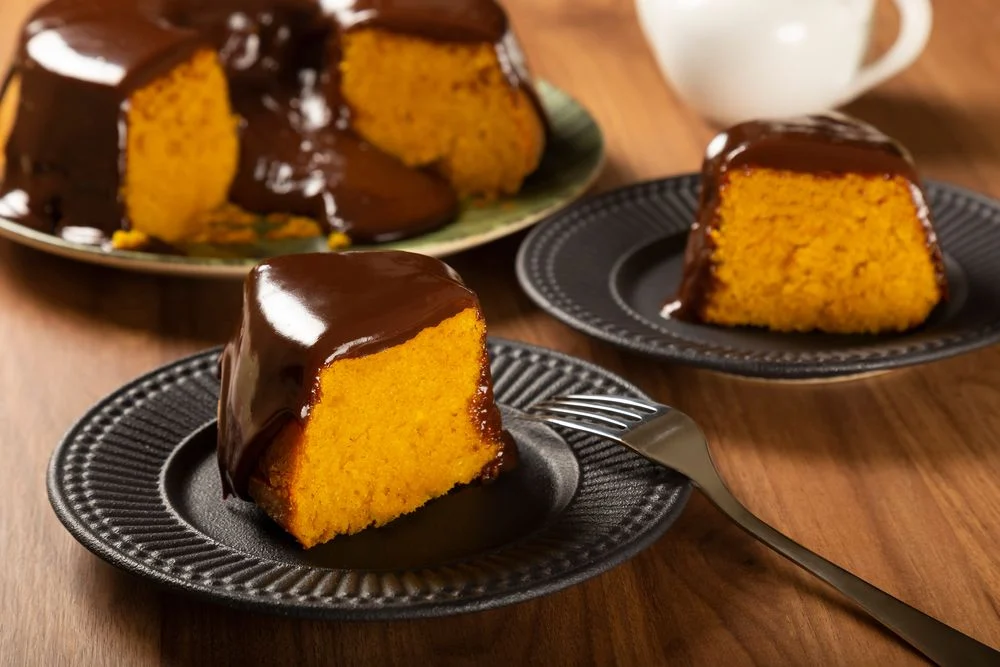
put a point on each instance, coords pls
(816, 223)
(356, 389)
(185, 121)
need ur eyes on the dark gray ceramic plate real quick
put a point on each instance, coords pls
(607, 264)
(135, 481)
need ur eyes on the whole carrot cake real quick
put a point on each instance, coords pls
(186, 121)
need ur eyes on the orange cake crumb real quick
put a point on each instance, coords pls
(362, 457)
(796, 252)
(814, 223)
(129, 240)
(446, 106)
(356, 389)
(8, 112)
(182, 149)
(338, 241)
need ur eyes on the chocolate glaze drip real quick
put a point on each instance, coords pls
(823, 144)
(302, 312)
(333, 177)
(444, 20)
(298, 153)
(77, 57)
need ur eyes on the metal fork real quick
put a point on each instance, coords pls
(672, 439)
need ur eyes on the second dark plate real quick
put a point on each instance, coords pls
(606, 265)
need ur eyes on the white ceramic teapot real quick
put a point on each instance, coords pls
(732, 60)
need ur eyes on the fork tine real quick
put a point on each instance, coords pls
(620, 400)
(574, 425)
(580, 413)
(562, 402)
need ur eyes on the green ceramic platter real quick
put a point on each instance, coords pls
(573, 159)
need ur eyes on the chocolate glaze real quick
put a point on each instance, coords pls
(444, 20)
(298, 152)
(822, 144)
(78, 57)
(302, 312)
(333, 177)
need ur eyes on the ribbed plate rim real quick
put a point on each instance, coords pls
(85, 532)
(555, 231)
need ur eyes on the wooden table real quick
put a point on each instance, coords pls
(894, 477)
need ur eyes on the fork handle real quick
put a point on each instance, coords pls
(942, 644)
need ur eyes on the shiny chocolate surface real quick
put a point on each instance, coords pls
(76, 62)
(80, 60)
(303, 312)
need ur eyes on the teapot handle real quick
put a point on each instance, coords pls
(914, 29)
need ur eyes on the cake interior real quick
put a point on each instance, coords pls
(386, 433)
(182, 150)
(8, 112)
(836, 253)
(442, 105)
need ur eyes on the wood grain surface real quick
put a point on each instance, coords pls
(895, 477)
